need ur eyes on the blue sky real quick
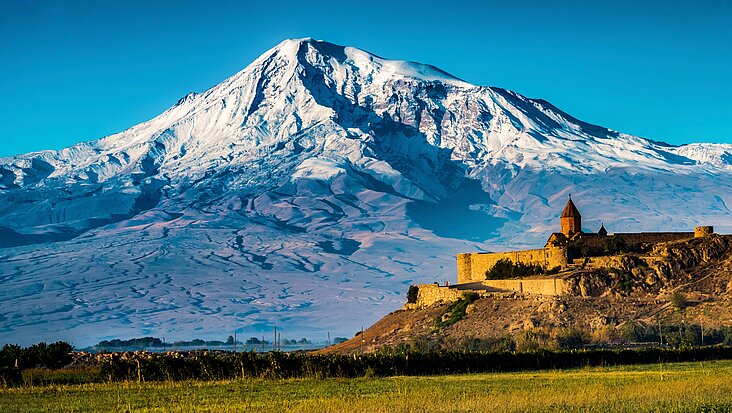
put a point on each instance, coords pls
(73, 71)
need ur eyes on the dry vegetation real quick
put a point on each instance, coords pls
(681, 387)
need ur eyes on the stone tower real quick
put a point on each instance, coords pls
(571, 219)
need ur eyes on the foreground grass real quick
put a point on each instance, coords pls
(680, 387)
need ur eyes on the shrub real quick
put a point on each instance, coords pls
(553, 271)
(412, 294)
(604, 334)
(10, 376)
(530, 340)
(484, 345)
(570, 338)
(424, 345)
(456, 311)
(678, 300)
(505, 268)
(629, 333)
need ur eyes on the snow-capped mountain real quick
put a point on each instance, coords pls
(307, 191)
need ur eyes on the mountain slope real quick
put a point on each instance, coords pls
(307, 191)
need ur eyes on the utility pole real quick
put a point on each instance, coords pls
(660, 334)
(234, 341)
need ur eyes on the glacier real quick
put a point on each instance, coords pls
(307, 192)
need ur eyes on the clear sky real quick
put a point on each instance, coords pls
(73, 71)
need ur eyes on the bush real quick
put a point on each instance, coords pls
(10, 376)
(484, 345)
(629, 333)
(553, 271)
(456, 311)
(531, 340)
(678, 300)
(570, 338)
(505, 268)
(412, 294)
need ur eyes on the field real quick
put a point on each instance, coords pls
(678, 387)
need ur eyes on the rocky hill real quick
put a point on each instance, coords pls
(676, 284)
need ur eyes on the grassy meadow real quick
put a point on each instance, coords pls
(676, 387)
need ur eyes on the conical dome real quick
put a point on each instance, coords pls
(571, 211)
(602, 230)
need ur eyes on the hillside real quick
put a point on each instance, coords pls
(307, 192)
(603, 304)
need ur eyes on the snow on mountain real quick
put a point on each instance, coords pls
(308, 191)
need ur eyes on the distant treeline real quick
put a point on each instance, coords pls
(152, 342)
(155, 342)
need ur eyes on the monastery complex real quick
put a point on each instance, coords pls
(565, 252)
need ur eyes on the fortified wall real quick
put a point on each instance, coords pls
(543, 286)
(429, 294)
(628, 238)
(472, 267)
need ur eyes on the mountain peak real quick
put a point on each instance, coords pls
(323, 51)
(289, 182)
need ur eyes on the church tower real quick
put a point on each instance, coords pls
(571, 220)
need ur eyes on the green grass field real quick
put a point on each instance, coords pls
(680, 387)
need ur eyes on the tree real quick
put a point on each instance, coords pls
(230, 340)
(412, 294)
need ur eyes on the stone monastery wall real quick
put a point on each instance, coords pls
(653, 237)
(471, 267)
(545, 286)
(633, 238)
(428, 294)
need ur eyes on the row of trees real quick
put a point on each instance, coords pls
(218, 366)
(52, 356)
